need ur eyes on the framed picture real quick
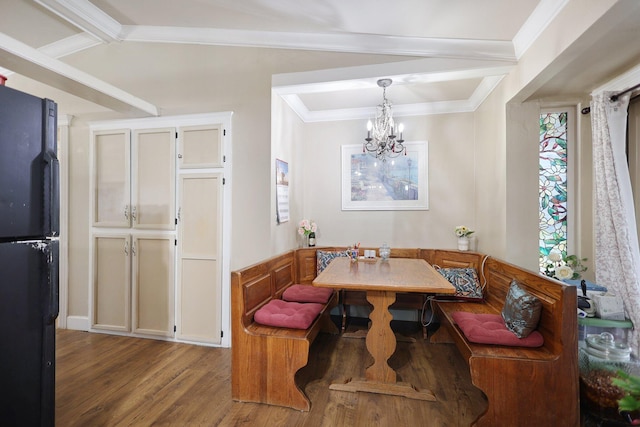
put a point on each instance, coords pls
(399, 183)
(282, 191)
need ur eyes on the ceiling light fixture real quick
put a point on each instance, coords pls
(381, 139)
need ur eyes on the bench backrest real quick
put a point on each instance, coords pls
(254, 286)
(558, 319)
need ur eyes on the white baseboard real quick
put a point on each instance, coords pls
(78, 323)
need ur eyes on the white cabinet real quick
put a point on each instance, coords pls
(133, 243)
(112, 177)
(152, 262)
(134, 179)
(200, 211)
(133, 283)
(159, 203)
(111, 282)
(154, 179)
(201, 147)
(199, 266)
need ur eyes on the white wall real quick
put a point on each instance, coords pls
(287, 140)
(506, 140)
(451, 185)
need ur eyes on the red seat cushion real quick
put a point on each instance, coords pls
(307, 293)
(287, 314)
(485, 328)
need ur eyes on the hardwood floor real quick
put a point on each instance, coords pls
(105, 380)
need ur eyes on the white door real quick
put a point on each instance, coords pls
(154, 182)
(153, 260)
(111, 282)
(111, 176)
(199, 265)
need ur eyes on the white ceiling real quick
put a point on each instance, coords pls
(451, 53)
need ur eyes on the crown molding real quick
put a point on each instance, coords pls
(351, 43)
(290, 85)
(399, 110)
(86, 16)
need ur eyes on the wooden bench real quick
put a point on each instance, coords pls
(265, 359)
(524, 386)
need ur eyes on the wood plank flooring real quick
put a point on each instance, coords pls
(105, 380)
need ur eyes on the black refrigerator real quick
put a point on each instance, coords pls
(29, 229)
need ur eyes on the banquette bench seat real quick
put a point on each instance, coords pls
(266, 358)
(523, 386)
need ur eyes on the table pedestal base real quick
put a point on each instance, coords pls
(394, 389)
(362, 334)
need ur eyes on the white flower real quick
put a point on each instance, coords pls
(306, 226)
(563, 272)
(555, 256)
(463, 231)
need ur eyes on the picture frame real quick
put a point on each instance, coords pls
(399, 183)
(282, 191)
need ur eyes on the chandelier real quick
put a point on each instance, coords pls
(381, 139)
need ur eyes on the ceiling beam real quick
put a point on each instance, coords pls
(86, 16)
(29, 62)
(350, 43)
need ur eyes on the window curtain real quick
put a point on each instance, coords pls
(617, 260)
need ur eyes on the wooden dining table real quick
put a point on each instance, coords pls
(381, 280)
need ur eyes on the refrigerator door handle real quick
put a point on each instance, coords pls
(54, 284)
(51, 194)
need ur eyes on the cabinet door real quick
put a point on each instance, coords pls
(153, 260)
(153, 198)
(111, 282)
(200, 147)
(111, 166)
(199, 265)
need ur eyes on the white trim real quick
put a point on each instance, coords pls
(64, 121)
(164, 121)
(69, 45)
(621, 82)
(352, 43)
(289, 86)
(86, 16)
(37, 65)
(538, 21)
(78, 323)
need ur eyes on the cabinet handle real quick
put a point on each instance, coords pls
(179, 156)
(126, 212)
(133, 249)
(126, 248)
(179, 211)
(133, 213)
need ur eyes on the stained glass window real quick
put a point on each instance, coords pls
(553, 185)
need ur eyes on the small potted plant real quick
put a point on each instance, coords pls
(463, 232)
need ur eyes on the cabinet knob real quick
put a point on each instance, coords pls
(179, 156)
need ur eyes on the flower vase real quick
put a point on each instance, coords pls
(463, 243)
